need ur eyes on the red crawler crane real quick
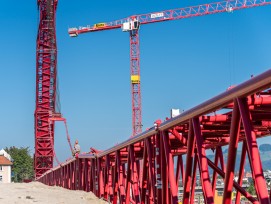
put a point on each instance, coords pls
(46, 72)
(131, 24)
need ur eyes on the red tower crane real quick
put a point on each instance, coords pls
(131, 25)
(46, 72)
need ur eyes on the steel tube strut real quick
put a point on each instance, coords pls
(234, 138)
(253, 85)
(189, 162)
(203, 165)
(236, 185)
(151, 173)
(253, 153)
(194, 179)
(215, 173)
(170, 166)
(241, 170)
(142, 169)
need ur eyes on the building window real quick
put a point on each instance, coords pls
(1, 179)
(1, 168)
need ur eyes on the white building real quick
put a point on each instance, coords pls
(5, 167)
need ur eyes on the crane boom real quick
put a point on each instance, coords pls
(173, 14)
(131, 24)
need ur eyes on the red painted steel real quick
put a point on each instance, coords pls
(202, 162)
(173, 14)
(170, 168)
(233, 145)
(135, 84)
(143, 169)
(155, 17)
(189, 161)
(46, 72)
(193, 187)
(253, 152)
(241, 170)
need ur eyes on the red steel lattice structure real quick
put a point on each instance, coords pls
(46, 72)
(160, 165)
(142, 169)
(132, 23)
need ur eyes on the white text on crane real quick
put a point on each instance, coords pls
(157, 15)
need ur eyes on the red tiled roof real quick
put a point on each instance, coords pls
(4, 161)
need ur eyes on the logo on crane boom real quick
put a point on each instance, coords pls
(157, 15)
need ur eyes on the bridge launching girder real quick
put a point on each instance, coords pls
(150, 167)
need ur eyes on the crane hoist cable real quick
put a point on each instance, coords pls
(58, 117)
(231, 51)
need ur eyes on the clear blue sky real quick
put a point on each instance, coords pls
(183, 63)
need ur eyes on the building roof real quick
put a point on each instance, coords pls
(4, 153)
(4, 161)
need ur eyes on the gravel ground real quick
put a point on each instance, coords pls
(36, 192)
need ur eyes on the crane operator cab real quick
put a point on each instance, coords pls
(132, 24)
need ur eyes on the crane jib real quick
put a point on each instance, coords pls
(173, 14)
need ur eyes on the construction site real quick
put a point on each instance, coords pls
(160, 103)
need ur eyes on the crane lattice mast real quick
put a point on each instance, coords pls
(46, 72)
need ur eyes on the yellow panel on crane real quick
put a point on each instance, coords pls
(99, 25)
(135, 79)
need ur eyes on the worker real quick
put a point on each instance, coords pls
(76, 148)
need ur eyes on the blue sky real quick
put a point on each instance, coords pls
(183, 63)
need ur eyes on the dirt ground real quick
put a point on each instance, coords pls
(36, 192)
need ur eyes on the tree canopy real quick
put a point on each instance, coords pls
(22, 163)
(251, 189)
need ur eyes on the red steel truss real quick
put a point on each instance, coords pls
(160, 165)
(46, 71)
(161, 16)
(135, 82)
(174, 14)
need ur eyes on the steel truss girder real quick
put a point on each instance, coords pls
(175, 14)
(147, 168)
(46, 71)
(135, 83)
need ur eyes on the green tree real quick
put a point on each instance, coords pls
(22, 163)
(251, 188)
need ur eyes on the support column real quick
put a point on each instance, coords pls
(232, 152)
(170, 166)
(253, 153)
(189, 163)
(203, 165)
(241, 171)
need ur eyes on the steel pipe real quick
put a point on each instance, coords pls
(253, 85)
